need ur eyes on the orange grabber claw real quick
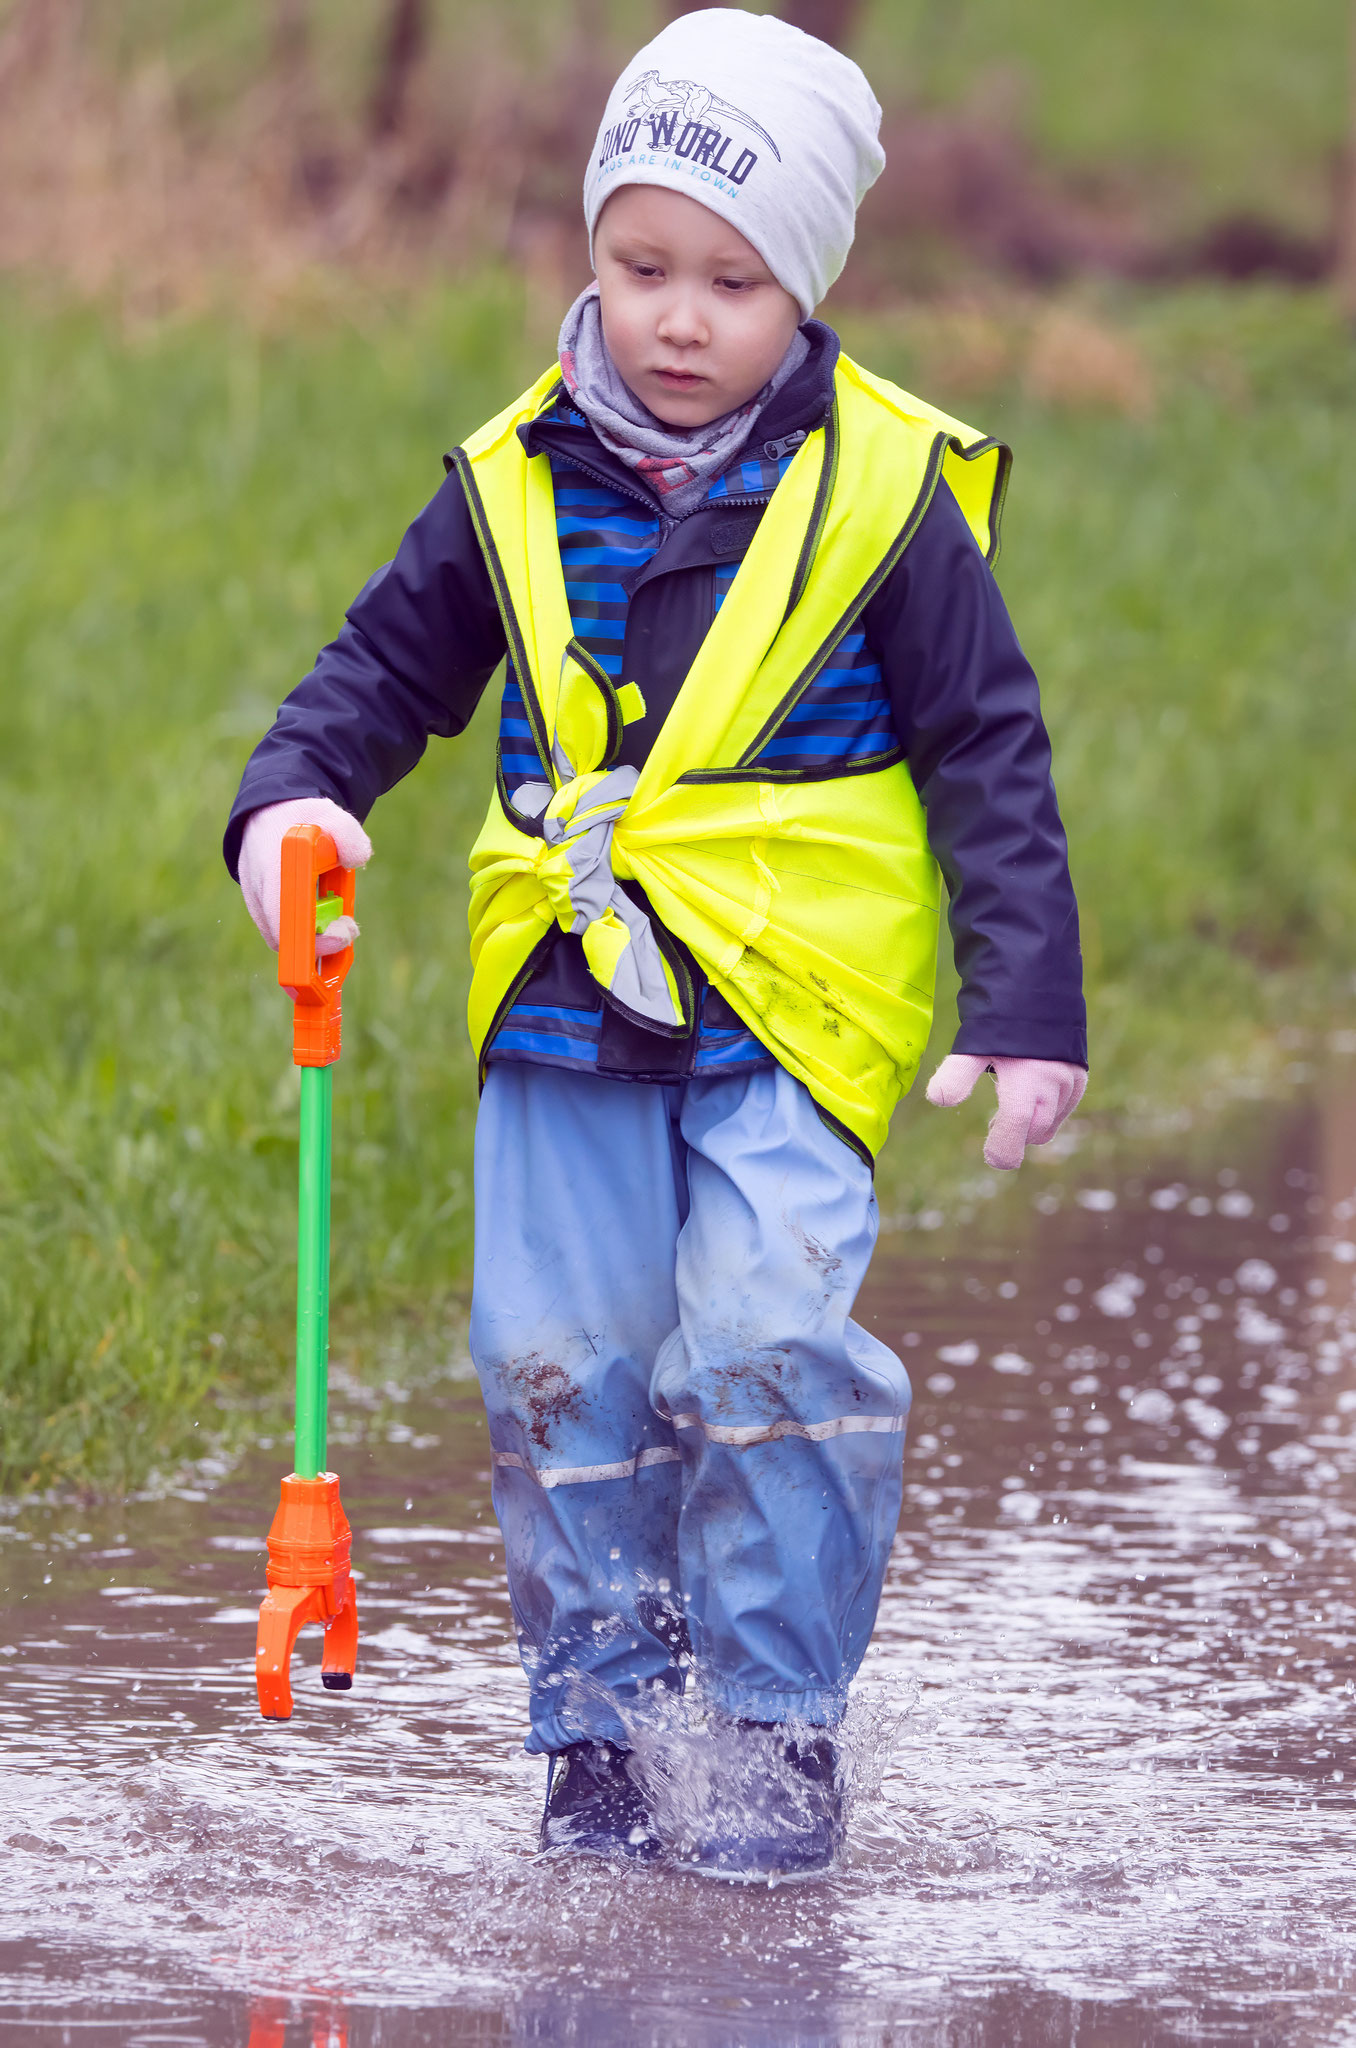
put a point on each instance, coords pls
(308, 1580)
(309, 1575)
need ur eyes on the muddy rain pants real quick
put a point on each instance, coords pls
(694, 1445)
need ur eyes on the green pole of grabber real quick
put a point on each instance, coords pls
(313, 1272)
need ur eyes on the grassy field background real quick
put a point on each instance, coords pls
(1227, 104)
(166, 155)
(188, 500)
(183, 518)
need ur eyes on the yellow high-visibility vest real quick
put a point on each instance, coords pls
(811, 902)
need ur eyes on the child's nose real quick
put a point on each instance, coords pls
(682, 322)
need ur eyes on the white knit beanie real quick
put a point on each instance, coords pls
(772, 129)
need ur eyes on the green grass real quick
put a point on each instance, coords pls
(1220, 105)
(181, 522)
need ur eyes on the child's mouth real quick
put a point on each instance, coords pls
(680, 380)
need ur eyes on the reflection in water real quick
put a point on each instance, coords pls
(1102, 1741)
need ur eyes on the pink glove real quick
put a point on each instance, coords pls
(261, 862)
(1034, 1097)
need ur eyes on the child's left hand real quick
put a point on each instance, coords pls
(1034, 1097)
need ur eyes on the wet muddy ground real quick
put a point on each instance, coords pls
(1102, 1741)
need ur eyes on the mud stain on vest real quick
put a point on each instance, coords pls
(829, 1020)
(545, 1394)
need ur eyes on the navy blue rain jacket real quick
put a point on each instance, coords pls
(424, 636)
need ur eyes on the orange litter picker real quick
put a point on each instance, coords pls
(309, 1577)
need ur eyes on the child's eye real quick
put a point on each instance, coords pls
(735, 284)
(644, 270)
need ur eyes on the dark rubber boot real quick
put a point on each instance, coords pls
(789, 1818)
(594, 1806)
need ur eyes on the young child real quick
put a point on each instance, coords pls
(760, 687)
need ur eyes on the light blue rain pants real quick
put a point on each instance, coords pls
(693, 1442)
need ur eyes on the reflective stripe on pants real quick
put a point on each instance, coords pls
(692, 1440)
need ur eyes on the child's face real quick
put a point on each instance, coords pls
(694, 319)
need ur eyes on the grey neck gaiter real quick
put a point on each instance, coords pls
(678, 463)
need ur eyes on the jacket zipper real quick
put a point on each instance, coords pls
(648, 504)
(785, 445)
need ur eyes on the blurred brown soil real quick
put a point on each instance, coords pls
(116, 188)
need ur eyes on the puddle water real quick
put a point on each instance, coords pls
(1103, 1737)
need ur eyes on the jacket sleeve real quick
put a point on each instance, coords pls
(967, 709)
(420, 643)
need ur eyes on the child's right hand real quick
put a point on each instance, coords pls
(261, 862)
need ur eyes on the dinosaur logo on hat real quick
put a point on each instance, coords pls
(650, 96)
(684, 122)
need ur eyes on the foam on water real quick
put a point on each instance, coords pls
(1101, 1754)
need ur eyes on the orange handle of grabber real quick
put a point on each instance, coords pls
(313, 881)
